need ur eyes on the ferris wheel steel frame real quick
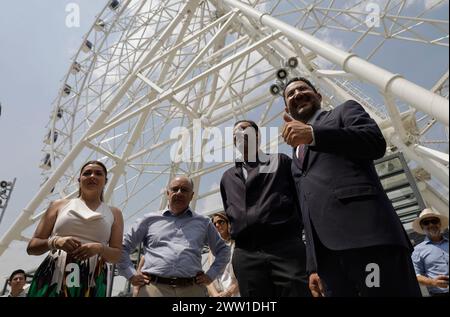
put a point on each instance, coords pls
(275, 40)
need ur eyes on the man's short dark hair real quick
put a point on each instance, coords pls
(19, 271)
(252, 123)
(303, 79)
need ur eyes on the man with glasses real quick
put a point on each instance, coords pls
(173, 240)
(430, 257)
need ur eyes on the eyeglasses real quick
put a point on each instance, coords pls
(433, 221)
(183, 190)
(219, 222)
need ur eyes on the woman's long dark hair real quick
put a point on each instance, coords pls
(94, 163)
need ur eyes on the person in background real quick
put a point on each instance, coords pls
(225, 285)
(430, 257)
(16, 282)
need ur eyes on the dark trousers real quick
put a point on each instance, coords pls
(273, 270)
(379, 271)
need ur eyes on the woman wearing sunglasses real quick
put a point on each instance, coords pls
(226, 284)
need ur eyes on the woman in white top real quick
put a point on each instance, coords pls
(226, 284)
(82, 235)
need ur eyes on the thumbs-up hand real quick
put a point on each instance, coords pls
(296, 132)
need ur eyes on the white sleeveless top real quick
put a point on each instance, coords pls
(224, 281)
(76, 219)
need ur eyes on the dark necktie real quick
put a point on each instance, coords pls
(249, 168)
(301, 153)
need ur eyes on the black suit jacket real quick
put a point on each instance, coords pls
(264, 208)
(340, 194)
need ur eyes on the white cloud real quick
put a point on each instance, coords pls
(426, 4)
(327, 36)
(362, 8)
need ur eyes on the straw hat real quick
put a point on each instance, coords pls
(428, 213)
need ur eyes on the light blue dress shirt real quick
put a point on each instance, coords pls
(431, 260)
(173, 245)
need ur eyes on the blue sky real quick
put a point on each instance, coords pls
(36, 51)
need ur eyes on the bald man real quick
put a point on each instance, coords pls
(173, 240)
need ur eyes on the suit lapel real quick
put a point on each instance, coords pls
(252, 173)
(311, 156)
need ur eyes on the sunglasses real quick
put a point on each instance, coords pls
(219, 222)
(433, 221)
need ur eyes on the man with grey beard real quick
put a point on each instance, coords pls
(430, 257)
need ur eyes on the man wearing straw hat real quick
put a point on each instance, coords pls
(430, 257)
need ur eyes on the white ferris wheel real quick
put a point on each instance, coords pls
(147, 67)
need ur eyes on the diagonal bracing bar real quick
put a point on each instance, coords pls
(418, 97)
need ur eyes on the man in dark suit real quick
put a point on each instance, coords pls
(260, 200)
(356, 244)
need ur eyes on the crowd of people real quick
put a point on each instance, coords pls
(301, 226)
